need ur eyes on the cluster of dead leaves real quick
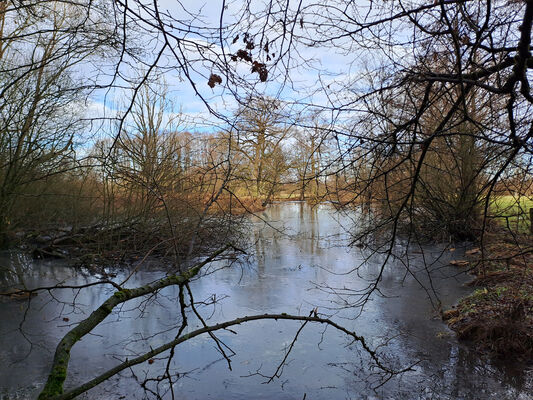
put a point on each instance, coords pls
(245, 54)
(213, 80)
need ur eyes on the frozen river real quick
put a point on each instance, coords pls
(300, 261)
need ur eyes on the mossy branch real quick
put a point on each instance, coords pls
(224, 325)
(58, 373)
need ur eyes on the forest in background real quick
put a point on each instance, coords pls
(448, 159)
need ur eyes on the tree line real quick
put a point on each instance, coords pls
(430, 138)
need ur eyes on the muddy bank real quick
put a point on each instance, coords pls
(498, 316)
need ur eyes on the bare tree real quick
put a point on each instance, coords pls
(42, 45)
(260, 134)
(444, 73)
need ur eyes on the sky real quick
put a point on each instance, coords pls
(325, 68)
(331, 74)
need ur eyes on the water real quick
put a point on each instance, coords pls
(300, 262)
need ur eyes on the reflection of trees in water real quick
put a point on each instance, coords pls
(17, 268)
(454, 377)
(308, 228)
(267, 288)
(260, 251)
(450, 380)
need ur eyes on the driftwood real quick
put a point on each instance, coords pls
(119, 244)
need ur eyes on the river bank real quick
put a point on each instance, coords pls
(497, 318)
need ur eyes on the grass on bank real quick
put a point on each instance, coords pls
(513, 212)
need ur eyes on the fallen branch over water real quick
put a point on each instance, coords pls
(224, 325)
(54, 388)
(58, 374)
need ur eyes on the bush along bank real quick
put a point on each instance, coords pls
(498, 316)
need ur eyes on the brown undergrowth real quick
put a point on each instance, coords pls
(498, 316)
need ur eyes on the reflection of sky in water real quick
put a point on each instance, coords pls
(282, 276)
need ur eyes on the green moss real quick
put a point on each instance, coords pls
(122, 295)
(484, 295)
(54, 385)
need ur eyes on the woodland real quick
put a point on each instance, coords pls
(149, 132)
